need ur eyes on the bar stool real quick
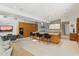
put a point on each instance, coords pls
(37, 36)
(40, 36)
(47, 37)
(33, 36)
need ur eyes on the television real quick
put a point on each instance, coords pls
(6, 28)
(54, 26)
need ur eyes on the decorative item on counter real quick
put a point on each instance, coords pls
(73, 29)
(72, 25)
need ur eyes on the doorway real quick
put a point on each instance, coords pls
(65, 29)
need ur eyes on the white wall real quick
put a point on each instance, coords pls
(72, 20)
(13, 21)
(8, 21)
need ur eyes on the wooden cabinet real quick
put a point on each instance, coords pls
(27, 28)
(73, 36)
(77, 19)
(77, 25)
(55, 38)
(77, 29)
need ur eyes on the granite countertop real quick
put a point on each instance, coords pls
(54, 33)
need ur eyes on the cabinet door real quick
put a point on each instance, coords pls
(77, 19)
(55, 39)
(77, 28)
(73, 36)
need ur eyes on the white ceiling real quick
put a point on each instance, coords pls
(40, 11)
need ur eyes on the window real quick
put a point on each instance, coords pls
(54, 26)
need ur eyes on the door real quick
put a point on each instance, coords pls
(65, 28)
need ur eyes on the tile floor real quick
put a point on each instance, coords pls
(64, 48)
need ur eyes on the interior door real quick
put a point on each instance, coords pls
(66, 29)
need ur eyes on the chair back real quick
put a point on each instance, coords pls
(31, 33)
(40, 35)
(37, 34)
(47, 36)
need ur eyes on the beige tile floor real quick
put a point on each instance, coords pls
(19, 51)
(64, 48)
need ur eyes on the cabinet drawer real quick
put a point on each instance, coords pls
(73, 36)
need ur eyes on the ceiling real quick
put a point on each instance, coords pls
(40, 11)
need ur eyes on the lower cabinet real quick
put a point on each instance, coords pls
(74, 36)
(55, 39)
